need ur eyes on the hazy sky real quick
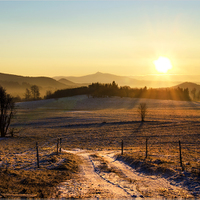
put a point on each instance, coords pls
(53, 38)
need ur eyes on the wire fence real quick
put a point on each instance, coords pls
(183, 154)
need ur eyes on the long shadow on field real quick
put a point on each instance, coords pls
(55, 124)
(97, 124)
(110, 124)
(59, 124)
(138, 128)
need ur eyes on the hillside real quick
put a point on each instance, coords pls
(66, 82)
(16, 85)
(105, 78)
(71, 84)
(120, 80)
(189, 85)
(40, 81)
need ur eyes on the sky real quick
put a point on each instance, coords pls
(75, 38)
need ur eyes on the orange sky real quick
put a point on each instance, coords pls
(52, 38)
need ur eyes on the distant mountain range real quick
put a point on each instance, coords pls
(120, 80)
(16, 85)
(71, 84)
(41, 81)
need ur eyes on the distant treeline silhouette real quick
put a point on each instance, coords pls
(109, 90)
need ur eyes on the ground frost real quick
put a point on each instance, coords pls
(101, 176)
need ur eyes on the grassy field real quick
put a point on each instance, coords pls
(101, 124)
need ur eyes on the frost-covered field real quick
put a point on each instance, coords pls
(99, 124)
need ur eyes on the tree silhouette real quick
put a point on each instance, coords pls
(7, 111)
(27, 94)
(99, 90)
(48, 94)
(142, 109)
(193, 92)
(198, 96)
(35, 92)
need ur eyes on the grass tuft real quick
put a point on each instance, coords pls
(41, 181)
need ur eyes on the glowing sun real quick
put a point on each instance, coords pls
(163, 64)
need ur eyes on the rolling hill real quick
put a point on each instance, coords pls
(120, 80)
(71, 84)
(40, 81)
(16, 85)
(66, 82)
(195, 94)
(189, 85)
(103, 78)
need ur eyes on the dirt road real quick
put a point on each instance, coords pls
(101, 176)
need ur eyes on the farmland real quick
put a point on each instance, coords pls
(98, 125)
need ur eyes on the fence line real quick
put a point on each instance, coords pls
(147, 146)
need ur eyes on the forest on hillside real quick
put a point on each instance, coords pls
(112, 89)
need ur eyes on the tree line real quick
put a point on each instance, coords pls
(195, 94)
(112, 89)
(32, 93)
(7, 102)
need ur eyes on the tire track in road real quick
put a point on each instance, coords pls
(149, 185)
(132, 192)
(91, 184)
(101, 176)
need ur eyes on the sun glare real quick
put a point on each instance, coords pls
(163, 64)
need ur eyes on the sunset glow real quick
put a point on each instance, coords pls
(76, 38)
(163, 64)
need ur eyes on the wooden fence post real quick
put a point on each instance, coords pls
(146, 148)
(122, 147)
(60, 143)
(37, 154)
(180, 156)
(57, 145)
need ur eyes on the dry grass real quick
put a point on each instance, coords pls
(40, 181)
(101, 124)
(87, 127)
(189, 179)
(103, 166)
(148, 166)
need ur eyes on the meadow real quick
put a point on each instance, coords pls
(100, 124)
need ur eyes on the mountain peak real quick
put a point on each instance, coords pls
(98, 73)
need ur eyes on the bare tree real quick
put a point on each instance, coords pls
(142, 109)
(7, 111)
(27, 94)
(35, 92)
